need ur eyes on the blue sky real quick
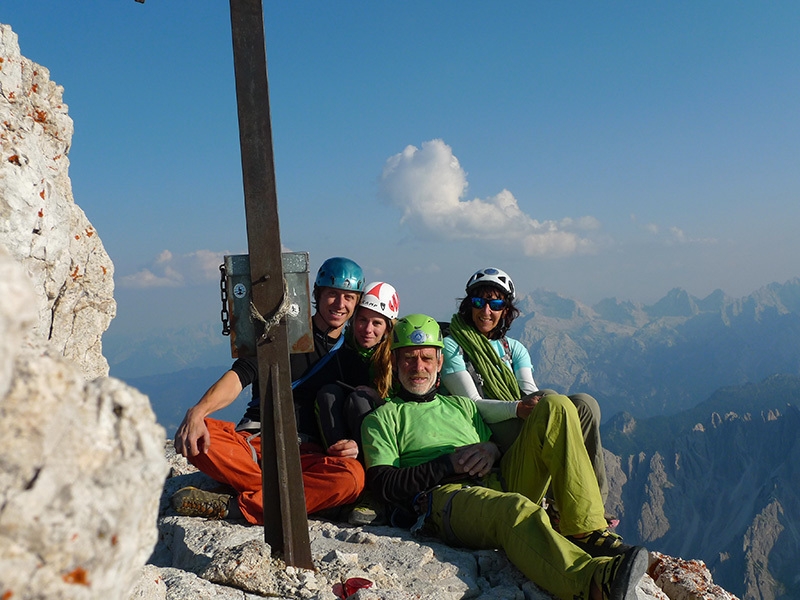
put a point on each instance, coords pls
(594, 149)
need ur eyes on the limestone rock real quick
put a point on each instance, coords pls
(40, 224)
(685, 579)
(81, 469)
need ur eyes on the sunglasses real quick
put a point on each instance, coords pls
(495, 304)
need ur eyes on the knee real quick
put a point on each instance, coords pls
(588, 407)
(556, 402)
(348, 473)
(329, 394)
(513, 509)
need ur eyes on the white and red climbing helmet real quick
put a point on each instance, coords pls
(382, 298)
(493, 277)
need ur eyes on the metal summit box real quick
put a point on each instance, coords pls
(236, 299)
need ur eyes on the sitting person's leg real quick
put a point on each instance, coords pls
(330, 406)
(550, 448)
(329, 481)
(358, 404)
(235, 461)
(589, 415)
(479, 517)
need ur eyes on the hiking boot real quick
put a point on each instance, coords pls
(600, 543)
(617, 579)
(368, 511)
(194, 502)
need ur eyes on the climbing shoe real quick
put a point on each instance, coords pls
(617, 579)
(600, 543)
(194, 502)
(367, 511)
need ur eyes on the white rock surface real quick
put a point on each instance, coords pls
(226, 559)
(82, 464)
(80, 473)
(40, 224)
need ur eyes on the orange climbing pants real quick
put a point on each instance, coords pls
(328, 481)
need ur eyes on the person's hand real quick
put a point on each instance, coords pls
(475, 459)
(192, 436)
(527, 403)
(344, 448)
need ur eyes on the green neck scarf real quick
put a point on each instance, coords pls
(498, 379)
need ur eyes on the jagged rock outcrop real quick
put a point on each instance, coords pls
(40, 224)
(81, 468)
(82, 464)
(726, 490)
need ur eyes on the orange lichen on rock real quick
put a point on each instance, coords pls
(40, 116)
(75, 274)
(89, 231)
(8, 593)
(14, 160)
(78, 576)
(42, 195)
(680, 578)
(41, 211)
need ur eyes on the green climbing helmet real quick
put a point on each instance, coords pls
(416, 330)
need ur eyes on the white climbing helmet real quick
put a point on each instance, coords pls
(493, 277)
(382, 298)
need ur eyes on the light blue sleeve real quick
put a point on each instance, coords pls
(453, 357)
(519, 354)
(523, 369)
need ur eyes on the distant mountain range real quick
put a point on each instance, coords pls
(642, 360)
(167, 351)
(664, 358)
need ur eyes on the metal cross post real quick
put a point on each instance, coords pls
(284, 500)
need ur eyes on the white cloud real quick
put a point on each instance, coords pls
(168, 270)
(428, 185)
(672, 235)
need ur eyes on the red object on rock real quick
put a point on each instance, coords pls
(350, 587)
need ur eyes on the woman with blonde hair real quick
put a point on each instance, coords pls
(365, 366)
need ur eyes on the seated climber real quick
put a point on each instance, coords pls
(433, 453)
(231, 454)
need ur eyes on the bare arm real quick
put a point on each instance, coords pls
(192, 436)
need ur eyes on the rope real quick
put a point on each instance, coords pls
(499, 381)
(273, 321)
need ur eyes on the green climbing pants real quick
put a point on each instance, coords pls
(505, 511)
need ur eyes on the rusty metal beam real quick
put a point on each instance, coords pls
(285, 521)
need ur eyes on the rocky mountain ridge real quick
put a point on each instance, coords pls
(664, 358)
(720, 482)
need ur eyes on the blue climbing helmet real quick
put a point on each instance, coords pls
(341, 274)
